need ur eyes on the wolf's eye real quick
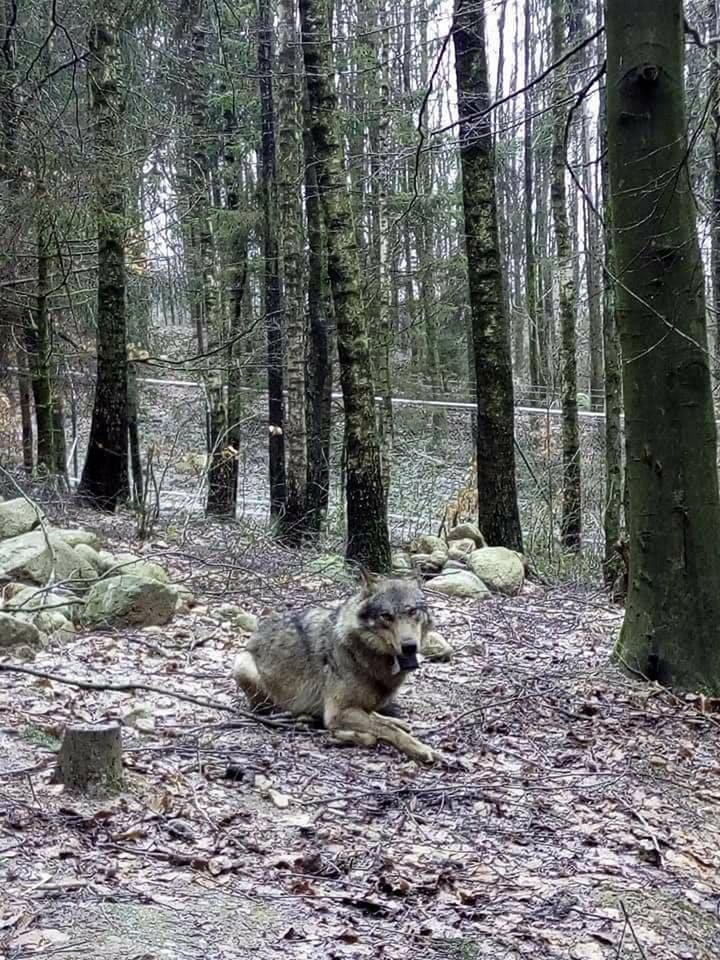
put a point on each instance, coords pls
(386, 617)
(412, 612)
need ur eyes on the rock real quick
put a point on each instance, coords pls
(436, 647)
(129, 564)
(429, 562)
(459, 549)
(451, 565)
(106, 560)
(401, 562)
(499, 568)
(90, 555)
(26, 602)
(467, 531)
(129, 600)
(429, 544)
(247, 622)
(239, 618)
(29, 557)
(330, 566)
(460, 583)
(54, 624)
(14, 630)
(77, 536)
(17, 517)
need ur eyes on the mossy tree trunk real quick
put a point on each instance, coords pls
(271, 265)
(498, 507)
(368, 541)
(295, 518)
(104, 479)
(319, 353)
(571, 519)
(671, 630)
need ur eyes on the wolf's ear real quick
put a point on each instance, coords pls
(368, 580)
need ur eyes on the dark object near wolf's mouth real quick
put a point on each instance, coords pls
(408, 661)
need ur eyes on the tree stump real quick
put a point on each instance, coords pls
(90, 758)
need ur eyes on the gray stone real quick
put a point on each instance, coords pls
(454, 565)
(75, 536)
(129, 564)
(459, 549)
(467, 531)
(17, 517)
(91, 555)
(429, 562)
(246, 621)
(429, 544)
(54, 624)
(26, 602)
(401, 562)
(29, 557)
(239, 618)
(436, 647)
(500, 569)
(460, 583)
(129, 600)
(13, 630)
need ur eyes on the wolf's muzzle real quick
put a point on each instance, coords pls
(407, 660)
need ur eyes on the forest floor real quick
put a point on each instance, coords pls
(577, 814)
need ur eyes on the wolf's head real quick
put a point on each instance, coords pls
(393, 619)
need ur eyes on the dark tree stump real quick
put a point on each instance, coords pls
(90, 758)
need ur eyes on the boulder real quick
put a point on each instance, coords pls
(76, 536)
(54, 624)
(436, 647)
(17, 517)
(129, 600)
(429, 562)
(459, 549)
(129, 564)
(467, 531)
(27, 602)
(460, 583)
(500, 569)
(242, 619)
(401, 562)
(29, 557)
(429, 544)
(91, 555)
(451, 565)
(13, 631)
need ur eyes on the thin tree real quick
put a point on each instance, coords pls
(498, 508)
(104, 479)
(671, 631)
(367, 533)
(571, 520)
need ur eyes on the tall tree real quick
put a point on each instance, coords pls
(367, 533)
(295, 517)
(104, 479)
(271, 264)
(671, 630)
(535, 353)
(571, 521)
(498, 508)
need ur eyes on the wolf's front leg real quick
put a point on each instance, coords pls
(356, 726)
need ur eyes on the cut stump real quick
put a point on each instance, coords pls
(90, 758)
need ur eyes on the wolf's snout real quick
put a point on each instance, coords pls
(408, 647)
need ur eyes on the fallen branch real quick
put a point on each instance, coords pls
(132, 687)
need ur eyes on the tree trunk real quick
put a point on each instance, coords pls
(671, 631)
(319, 354)
(367, 533)
(295, 519)
(37, 344)
(90, 759)
(498, 508)
(714, 128)
(271, 267)
(105, 474)
(612, 515)
(571, 520)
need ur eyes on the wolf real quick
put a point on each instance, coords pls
(343, 665)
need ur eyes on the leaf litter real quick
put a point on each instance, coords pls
(576, 812)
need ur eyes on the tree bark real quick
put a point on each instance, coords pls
(499, 517)
(671, 631)
(295, 519)
(105, 474)
(537, 374)
(90, 759)
(271, 267)
(368, 541)
(571, 520)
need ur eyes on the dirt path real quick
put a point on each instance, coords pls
(577, 815)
